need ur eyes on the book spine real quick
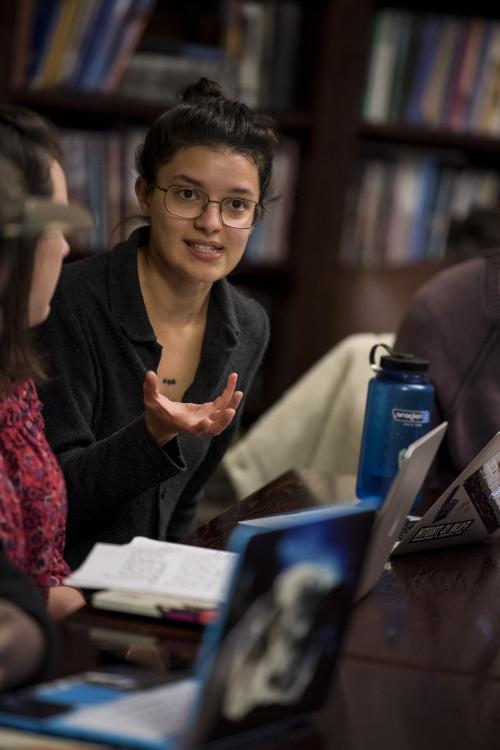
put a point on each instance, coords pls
(111, 25)
(44, 24)
(423, 72)
(381, 68)
(126, 43)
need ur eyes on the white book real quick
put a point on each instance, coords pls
(189, 574)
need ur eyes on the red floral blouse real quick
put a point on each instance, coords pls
(32, 490)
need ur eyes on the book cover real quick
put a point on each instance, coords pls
(382, 66)
(44, 23)
(462, 40)
(478, 77)
(483, 118)
(425, 65)
(401, 102)
(126, 42)
(373, 197)
(99, 12)
(405, 198)
(59, 42)
(440, 220)
(110, 28)
(79, 27)
(401, 61)
(422, 217)
(461, 94)
(434, 95)
(253, 19)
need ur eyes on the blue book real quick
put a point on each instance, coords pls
(425, 63)
(92, 37)
(421, 224)
(111, 20)
(44, 23)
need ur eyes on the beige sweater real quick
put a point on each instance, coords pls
(317, 423)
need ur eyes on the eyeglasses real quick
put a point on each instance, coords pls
(190, 203)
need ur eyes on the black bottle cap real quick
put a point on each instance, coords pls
(398, 361)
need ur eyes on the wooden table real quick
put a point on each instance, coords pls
(420, 667)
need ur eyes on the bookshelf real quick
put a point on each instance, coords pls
(313, 297)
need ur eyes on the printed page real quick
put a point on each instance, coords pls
(165, 568)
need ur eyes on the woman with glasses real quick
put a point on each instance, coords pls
(148, 343)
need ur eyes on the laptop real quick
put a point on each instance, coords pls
(467, 511)
(266, 664)
(397, 505)
(392, 515)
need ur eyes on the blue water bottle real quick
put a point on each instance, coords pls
(398, 411)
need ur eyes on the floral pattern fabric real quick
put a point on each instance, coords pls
(32, 490)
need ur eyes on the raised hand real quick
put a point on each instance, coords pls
(166, 418)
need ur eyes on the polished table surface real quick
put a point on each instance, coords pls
(420, 665)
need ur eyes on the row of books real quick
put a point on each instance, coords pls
(432, 70)
(84, 44)
(399, 211)
(101, 175)
(102, 46)
(255, 60)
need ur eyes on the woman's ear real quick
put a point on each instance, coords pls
(142, 194)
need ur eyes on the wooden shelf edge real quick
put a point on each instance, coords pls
(435, 137)
(135, 110)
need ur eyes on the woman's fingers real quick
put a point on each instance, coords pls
(150, 387)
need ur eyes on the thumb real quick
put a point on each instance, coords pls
(150, 386)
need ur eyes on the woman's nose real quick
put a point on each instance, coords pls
(210, 219)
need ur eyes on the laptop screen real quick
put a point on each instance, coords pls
(274, 655)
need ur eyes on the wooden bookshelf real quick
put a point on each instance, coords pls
(314, 302)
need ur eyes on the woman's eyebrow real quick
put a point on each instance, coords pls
(197, 183)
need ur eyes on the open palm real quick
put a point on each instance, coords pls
(166, 418)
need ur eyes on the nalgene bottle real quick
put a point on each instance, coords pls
(398, 411)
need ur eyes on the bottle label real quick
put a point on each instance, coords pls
(411, 417)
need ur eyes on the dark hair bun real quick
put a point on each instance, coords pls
(202, 89)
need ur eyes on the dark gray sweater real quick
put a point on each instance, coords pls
(99, 344)
(454, 322)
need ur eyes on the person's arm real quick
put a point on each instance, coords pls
(22, 645)
(63, 600)
(26, 633)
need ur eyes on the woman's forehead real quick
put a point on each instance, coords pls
(203, 165)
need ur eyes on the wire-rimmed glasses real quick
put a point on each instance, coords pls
(237, 211)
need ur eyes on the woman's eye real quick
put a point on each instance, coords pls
(237, 204)
(186, 194)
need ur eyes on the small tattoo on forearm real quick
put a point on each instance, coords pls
(169, 381)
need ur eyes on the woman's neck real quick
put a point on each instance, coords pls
(170, 298)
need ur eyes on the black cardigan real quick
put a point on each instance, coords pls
(99, 344)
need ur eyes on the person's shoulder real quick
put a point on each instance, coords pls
(462, 281)
(250, 314)
(80, 275)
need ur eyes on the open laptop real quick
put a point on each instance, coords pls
(267, 663)
(397, 505)
(392, 515)
(467, 511)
